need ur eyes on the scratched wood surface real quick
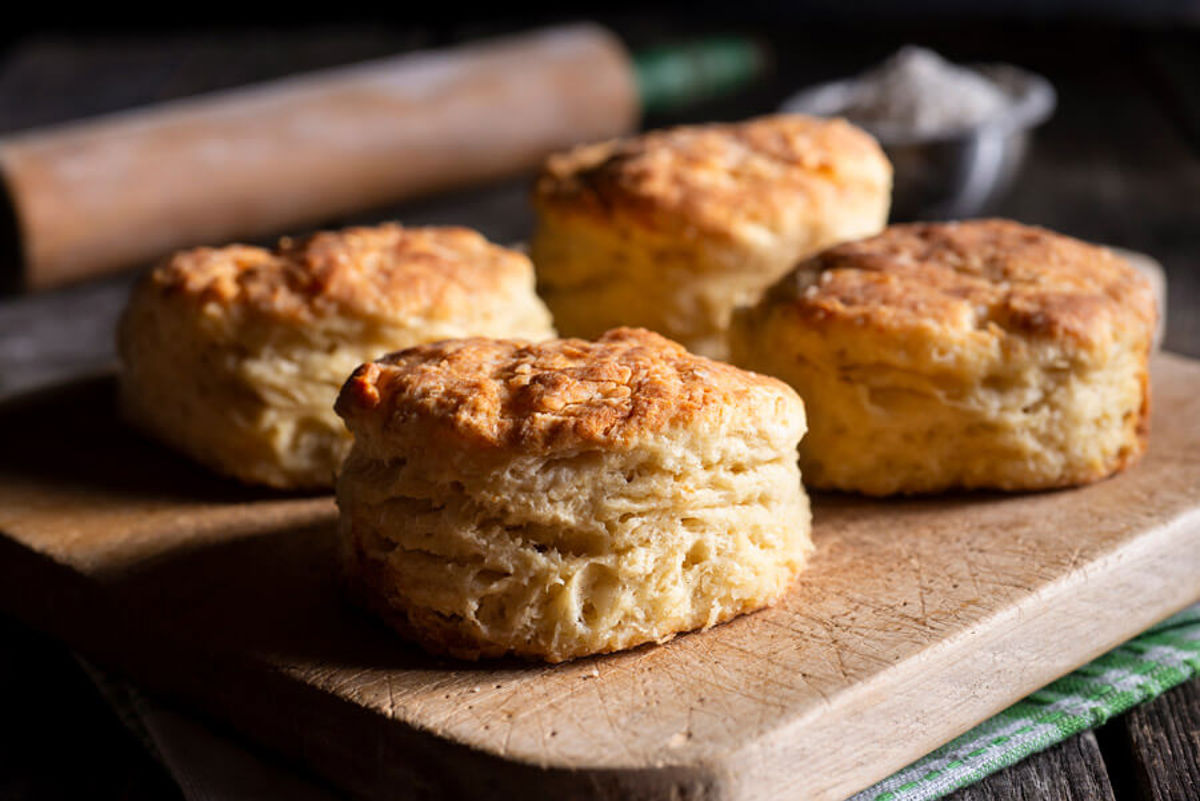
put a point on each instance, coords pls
(916, 620)
(1073, 770)
(1164, 740)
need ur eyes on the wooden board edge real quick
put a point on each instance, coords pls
(351, 746)
(1013, 653)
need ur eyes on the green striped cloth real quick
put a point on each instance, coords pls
(1137, 671)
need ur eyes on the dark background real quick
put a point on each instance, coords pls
(1119, 163)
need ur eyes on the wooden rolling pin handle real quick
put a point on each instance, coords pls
(118, 191)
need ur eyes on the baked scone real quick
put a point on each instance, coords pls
(235, 355)
(673, 229)
(567, 498)
(982, 354)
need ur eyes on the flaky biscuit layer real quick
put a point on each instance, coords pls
(235, 355)
(568, 498)
(672, 229)
(983, 354)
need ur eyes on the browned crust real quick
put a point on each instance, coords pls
(553, 395)
(993, 275)
(383, 270)
(714, 177)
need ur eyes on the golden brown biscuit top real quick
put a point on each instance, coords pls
(992, 275)
(719, 176)
(561, 394)
(381, 271)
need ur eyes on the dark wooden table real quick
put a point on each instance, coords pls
(1119, 163)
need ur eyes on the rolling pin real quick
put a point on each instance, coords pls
(112, 192)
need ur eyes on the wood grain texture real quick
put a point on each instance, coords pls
(1073, 770)
(1164, 738)
(917, 620)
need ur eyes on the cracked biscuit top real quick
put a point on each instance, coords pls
(384, 271)
(717, 177)
(564, 394)
(995, 277)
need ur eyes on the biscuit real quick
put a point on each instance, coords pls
(673, 229)
(567, 498)
(982, 354)
(235, 355)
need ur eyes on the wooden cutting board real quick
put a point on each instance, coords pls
(917, 620)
